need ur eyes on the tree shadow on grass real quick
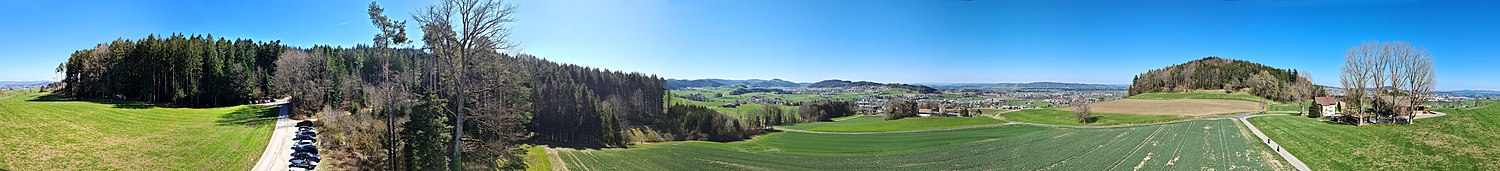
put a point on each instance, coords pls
(575, 146)
(122, 104)
(51, 97)
(250, 116)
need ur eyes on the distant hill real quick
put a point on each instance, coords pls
(1215, 73)
(841, 83)
(1058, 85)
(773, 83)
(712, 82)
(1032, 85)
(674, 84)
(24, 83)
(1471, 93)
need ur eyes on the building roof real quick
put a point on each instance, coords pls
(1326, 100)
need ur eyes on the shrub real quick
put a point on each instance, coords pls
(1315, 111)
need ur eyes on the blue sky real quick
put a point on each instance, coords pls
(807, 41)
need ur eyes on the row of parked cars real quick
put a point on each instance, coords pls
(305, 145)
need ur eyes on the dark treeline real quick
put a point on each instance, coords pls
(740, 91)
(689, 122)
(824, 110)
(178, 69)
(578, 104)
(1214, 73)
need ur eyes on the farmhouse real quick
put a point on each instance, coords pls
(1330, 105)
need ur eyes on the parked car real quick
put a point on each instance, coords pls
(304, 128)
(304, 137)
(307, 156)
(308, 132)
(308, 148)
(305, 124)
(299, 143)
(300, 163)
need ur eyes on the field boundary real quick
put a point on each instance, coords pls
(1272, 143)
(779, 128)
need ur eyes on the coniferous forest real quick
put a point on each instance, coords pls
(197, 70)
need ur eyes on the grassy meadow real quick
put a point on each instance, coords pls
(1194, 145)
(1465, 139)
(47, 133)
(879, 124)
(1062, 117)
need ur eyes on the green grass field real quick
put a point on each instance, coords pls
(536, 158)
(1465, 139)
(1061, 117)
(1200, 95)
(879, 124)
(1193, 145)
(790, 111)
(1287, 108)
(43, 133)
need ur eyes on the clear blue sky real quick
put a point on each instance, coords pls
(807, 41)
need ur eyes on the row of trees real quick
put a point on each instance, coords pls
(1227, 74)
(1388, 77)
(824, 110)
(197, 70)
(766, 117)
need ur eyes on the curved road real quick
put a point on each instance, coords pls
(279, 150)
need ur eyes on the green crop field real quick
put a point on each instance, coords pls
(1193, 145)
(1061, 117)
(1465, 139)
(1200, 95)
(879, 124)
(44, 133)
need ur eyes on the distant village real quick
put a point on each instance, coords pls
(871, 99)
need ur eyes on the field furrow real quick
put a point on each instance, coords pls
(1191, 145)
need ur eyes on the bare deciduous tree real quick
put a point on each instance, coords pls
(464, 35)
(1083, 111)
(1304, 91)
(1395, 76)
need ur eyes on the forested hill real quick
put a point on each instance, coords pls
(1215, 73)
(842, 83)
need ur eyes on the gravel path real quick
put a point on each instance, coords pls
(1272, 143)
